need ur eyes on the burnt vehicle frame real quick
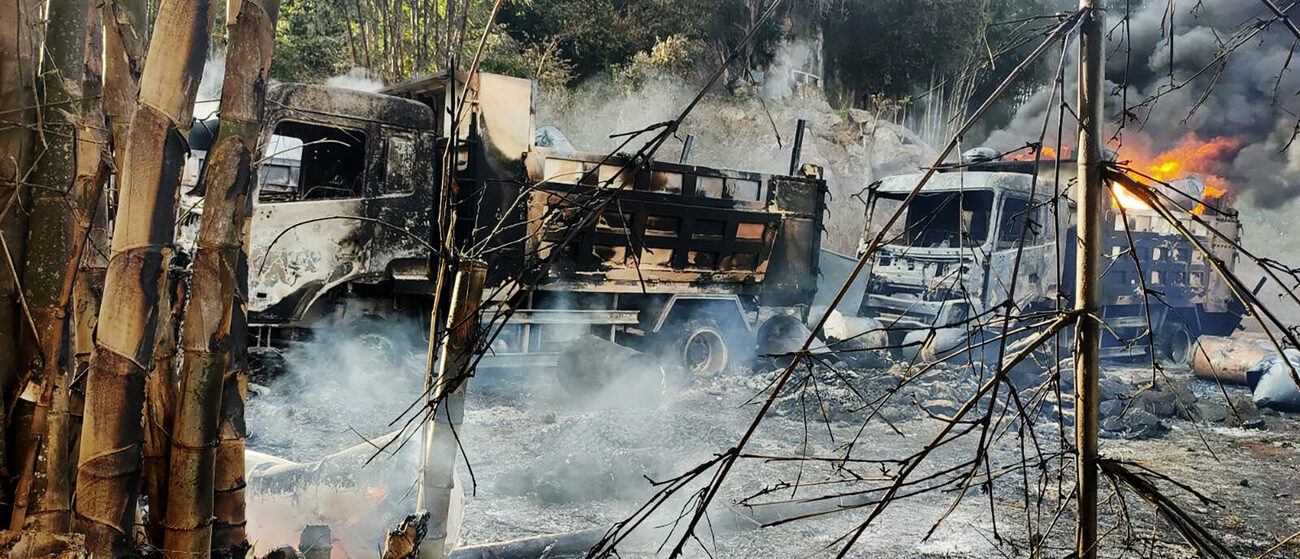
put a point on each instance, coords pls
(686, 257)
(1185, 298)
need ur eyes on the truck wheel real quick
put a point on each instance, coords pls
(1178, 343)
(703, 348)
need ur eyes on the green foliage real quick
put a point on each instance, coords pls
(674, 56)
(894, 46)
(873, 51)
(311, 41)
(622, 36)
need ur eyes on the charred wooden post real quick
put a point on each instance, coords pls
(112, 434)
(448, 392)
(686, 149)
(1091, 197)
(205, 336)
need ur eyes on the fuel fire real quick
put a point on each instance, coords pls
(1192, 156)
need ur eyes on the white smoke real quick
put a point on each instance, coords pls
(340, 389)
(796, 62)
(208, 99)
(357, 78)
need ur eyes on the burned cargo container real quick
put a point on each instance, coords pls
(952, 257)
(696, 262)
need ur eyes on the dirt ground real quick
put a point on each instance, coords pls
(539, 463)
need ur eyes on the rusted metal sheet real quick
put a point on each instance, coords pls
(673, 228)
(1229, 358)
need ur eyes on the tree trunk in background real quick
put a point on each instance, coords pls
(109, 473)
(63, 178)
(205, 336)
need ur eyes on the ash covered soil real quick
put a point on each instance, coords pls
(543, 462)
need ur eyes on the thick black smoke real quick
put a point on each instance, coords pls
(1236, 95)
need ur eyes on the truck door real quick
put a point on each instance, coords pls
(1037, 261)
(314, 174)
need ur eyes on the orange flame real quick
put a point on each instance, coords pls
(1192, 156)
(1048, 153)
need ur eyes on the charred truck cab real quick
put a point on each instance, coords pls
(696, 261)
(951, 258)
(337, 164)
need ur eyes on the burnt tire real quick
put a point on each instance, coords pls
(703, 347)
(1177, 343)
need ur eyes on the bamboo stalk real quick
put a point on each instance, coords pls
(72, 170)
(124, 22)
(161, 392)
(53, 512)
(229, 534)
(17, 53)
(205, 336)
(108, 475)
(448, 391)
(1091, 196)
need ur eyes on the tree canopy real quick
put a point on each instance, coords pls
(892, 48)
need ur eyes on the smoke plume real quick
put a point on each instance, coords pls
(1191, 83)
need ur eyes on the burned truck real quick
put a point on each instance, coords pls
(695, 262)
(951, 257)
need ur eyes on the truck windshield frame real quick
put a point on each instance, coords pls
(935, 220)
(325, 162)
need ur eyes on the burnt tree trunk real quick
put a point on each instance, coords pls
(205, 335)
(108, 476)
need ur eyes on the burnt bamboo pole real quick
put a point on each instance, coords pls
(53, 511)
(17, 75)
(1091, 197)
(108, 475)
(67, 171)
(161, 389)
(124, 24)
(205, 336)
(447, 389)
(229, 533)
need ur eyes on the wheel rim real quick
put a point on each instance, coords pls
(705, 353)
(1180, 346)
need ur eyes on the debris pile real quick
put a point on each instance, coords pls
(38, 544)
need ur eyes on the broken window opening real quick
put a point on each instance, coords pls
(1014, 213)
(306, 162)
(937, 220)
